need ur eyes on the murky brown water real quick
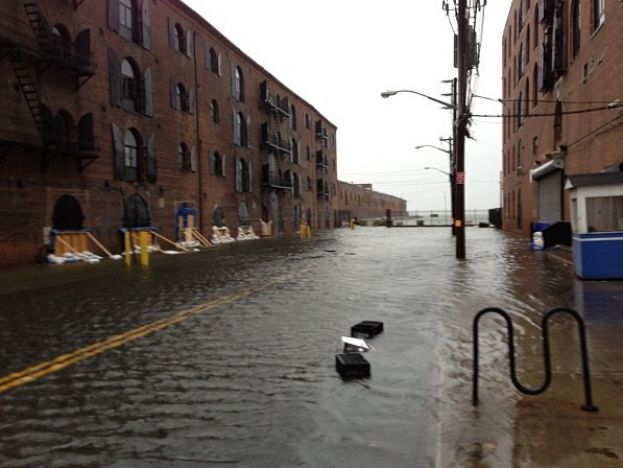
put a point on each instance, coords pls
(253, 383)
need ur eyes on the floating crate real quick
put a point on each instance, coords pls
(352, 365)
(366, 329)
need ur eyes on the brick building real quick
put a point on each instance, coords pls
(361, 202)
(563, 91)
(134, 113)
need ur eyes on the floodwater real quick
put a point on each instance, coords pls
(245, 376)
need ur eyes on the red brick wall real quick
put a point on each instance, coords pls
(364, 203)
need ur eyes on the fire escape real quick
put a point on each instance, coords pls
(46, 49)
(275, 174)
(322, 164)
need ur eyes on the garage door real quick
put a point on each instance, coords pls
(550, 197)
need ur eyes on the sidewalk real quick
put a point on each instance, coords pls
(509, 429)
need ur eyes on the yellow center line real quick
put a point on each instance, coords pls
(37, 371)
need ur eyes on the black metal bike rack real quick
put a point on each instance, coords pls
(588, 403)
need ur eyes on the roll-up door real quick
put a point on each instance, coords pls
(550, 197)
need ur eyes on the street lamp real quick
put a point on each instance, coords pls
(446, 105)
(439, 170)
(448, 152)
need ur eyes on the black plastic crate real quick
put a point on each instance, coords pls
(352, 365)
(366, 329)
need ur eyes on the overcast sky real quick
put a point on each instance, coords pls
(340, 55)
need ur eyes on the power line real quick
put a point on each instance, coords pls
(551, 114)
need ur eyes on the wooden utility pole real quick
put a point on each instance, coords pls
(460, 127)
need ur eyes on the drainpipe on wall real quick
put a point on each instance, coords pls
(198, 139)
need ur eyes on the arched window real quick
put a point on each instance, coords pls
(535, 87)
(219, 168)
(244, 131)
(526, 103)
(575, 26)
(242, 176)
(183, 158)
(180, 38)
(292, 117)
(129, 85)
(237, 128)
(214, 61)
(238, 84)
(557, 123)
(294, 154)
(181, 97)
(61, 41)
(136, 212)
(528, 45)
(296, 188)
(535, 27)
(215, 112)
(62, 128)
(131, 145)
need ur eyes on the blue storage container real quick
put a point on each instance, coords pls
(598, 255)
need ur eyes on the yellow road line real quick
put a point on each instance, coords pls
(30, 374)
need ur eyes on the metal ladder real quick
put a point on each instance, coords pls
(588, 402)
(29, 90)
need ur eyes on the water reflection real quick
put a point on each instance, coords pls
(252, 383)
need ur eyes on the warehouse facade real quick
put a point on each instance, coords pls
(136, 113)
(563, 98)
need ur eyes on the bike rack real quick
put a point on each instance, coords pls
(588, 403)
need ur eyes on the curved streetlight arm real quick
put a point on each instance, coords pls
(438, 170)
(448, 152)
(447, 105)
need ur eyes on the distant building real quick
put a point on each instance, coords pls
(563, 95)
(127, 113)
(361, 202)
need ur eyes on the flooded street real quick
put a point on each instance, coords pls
(234, 364)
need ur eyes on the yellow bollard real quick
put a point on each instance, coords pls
(352, 224)
(302, 231)
(308, 231)
(144, 241)
(127, 243)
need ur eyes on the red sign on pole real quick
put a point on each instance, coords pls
(460, 178)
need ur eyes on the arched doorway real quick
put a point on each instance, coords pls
(243, 215)
(136, 212)
(218, 216)
(67, 214)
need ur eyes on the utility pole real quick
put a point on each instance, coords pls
(460, 129)
(451, 147)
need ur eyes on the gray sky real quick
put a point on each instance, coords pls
(340, 55)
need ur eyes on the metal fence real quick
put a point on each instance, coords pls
(440, 218)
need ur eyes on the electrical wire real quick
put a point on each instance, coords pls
(549, 114)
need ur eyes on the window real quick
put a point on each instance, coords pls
(129, 86)
(62, 126)
(238, 84)
(219, 168)
(557, 123)
(307, 153)
(535, 77)
(181, 98)
(520, 113)
(307, 121)
(294, 154)
(179, 38)
(599, 14)
(309, 184)
(604, 214)
(215, 61)
(183, 158)
(296, 188)
(292, 121)
(535, 146)
(130, 156)
(61, 41)
(575, 25)
(214, 112)
(243, 176)
(126, 18)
